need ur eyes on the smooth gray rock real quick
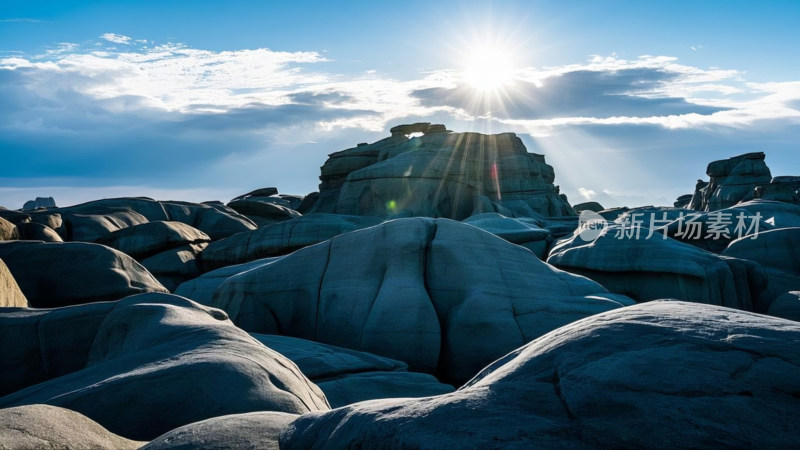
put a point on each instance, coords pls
(10, 293)
(264, 211)
(69, 273)
(660, 375)
(148, 239)
(176, 266)
(145, 365)
(658, 267)
(281, 238)
(418, 290)
(91, 221)
(348, 376)
(523, 231)
(8, 231)
(202, 288)
(439, 174)
(786, 306)
(34, 231)
(254, 431)
(778, 252)
(51, 427)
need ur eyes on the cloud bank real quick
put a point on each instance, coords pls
(167, 115)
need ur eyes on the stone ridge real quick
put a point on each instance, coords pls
(440, 174)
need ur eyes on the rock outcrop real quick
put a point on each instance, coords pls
(732, 180)
(281, 238)
(70, 273)
(51, 427)
(348, 376)
(91, 221)
(417, 290)
(38, 203)
(439, 174)
(255, 431)
(660, 375)
(778, 252)
(630, 260)
(144, 365)
(10, 293)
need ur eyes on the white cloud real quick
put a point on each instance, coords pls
(116, 38)
(588, 194)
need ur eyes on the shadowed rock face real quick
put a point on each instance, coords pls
(778, 252)
(70, 273)
(348, 376)
(255, 430)
(280, 238)
(663, 374)
(651, 268)
(732, 180)
(10, 294)
(91, 221)
(439, 174)
(45, 426)
(144, 365)
(444, 297)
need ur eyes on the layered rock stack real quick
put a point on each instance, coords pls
(732, 180)
(440, 174)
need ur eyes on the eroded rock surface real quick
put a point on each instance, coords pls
(444, 297)
(663, 374)
(145, 365)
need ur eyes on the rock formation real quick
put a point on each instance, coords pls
(144, 365)
(10, 294)
(629, 260)
(70, 273)
(439, 174)
(778, 252)
(281, 238)
(349, 376)
(51, 427)
(254, 430)
(40, 202)
(417, 290)
(661, 375)
(732, 180)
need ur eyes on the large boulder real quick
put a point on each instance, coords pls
(203, 288)
(8, 231)
(69, 273)
(417, 290)
(144, 365)
(176, 266)
(148, 239)
(778, 252)
(348, 376)
(91, 221)
(440, 174)
(247, 431)
(731, 181)
(10, 294)
(34, 231)
(281, 238)
(264, 211)
(51, 427)
(786, 306)
(646, 265)
(659, 375)
(523, 231)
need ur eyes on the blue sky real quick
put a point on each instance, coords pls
(628, 100)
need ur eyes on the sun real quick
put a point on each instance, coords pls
(488, 68)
